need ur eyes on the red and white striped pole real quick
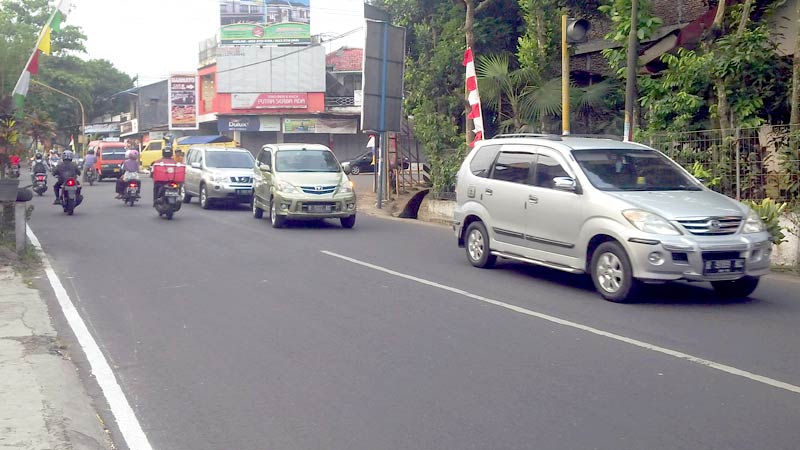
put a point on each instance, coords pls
(473, 97)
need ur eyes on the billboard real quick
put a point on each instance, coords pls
(249, 123)
(260, 22)
(270, 100)
(384, 60)
(253, 69)
(182, 91)
(320, 125)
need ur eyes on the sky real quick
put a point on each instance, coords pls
(150, 38)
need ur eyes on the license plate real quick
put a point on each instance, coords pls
(116, 169)
(171, 193)
(70, 188)
(244, 192)
(319, 208)
(723, 266)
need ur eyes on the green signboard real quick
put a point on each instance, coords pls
(276, 33)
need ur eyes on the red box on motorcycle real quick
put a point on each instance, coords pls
(169, 172)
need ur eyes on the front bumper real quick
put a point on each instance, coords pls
(241, 192)
(684, 257)
(303, 206)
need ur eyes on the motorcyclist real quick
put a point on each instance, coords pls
(66, 169)
(89, 162)
(166, 158)
(54, 160)
(39, 166)
(130, 170)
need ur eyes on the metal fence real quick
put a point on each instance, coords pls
(747, 164)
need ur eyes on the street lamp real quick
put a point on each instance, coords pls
(572, 31)
(83, 114)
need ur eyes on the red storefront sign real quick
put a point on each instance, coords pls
(270, 100)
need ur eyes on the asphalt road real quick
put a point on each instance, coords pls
(227, 334)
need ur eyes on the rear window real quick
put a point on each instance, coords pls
(114, 154)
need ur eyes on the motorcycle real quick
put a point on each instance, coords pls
(90, 175)
(70, 195)
(40, 183)
(131, 193)
(168, 201)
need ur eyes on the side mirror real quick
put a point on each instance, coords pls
(346, 168)
(264, 166)
(565, 184)
(195, 165)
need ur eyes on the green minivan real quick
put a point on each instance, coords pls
(302, 181)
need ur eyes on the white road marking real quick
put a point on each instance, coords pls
(123, 413)
(674, 353)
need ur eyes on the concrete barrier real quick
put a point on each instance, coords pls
(786, 254)
(437, 211)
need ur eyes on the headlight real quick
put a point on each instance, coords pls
(649, 222)
(753, 223)
(220, 179)
(285, 187)
(347, 187)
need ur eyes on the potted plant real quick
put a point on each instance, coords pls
(9, 138)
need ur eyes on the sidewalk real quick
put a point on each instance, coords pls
(43, 404)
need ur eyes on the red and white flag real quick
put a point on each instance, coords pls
(474, 98)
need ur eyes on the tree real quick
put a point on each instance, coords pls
(39, 127)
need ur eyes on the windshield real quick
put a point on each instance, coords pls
(229, 160)
(114, 155)
(633, 170)
(306, 161)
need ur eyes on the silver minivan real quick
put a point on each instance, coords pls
(622, 212)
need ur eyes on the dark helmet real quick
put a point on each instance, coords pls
(67, 155)
(38, 156)
(91, 151)
(166, 152)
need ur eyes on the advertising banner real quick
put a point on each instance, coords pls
(182, 101)
(260, 22)
(128, 128)
(270, 101)
(249, 123)
(323, 126)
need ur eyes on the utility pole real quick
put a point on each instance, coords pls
(631, 69)
(572, 31)
(83, 114)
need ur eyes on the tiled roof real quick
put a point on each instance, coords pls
(345, 60)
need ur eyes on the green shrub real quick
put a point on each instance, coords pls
(770, 212)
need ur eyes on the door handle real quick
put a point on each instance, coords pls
(489, 191)
(533, 199)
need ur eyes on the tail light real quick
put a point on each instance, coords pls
(39, 177)
(173, 185)
(132, 184)
(70, 182)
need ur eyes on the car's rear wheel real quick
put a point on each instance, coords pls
(257, 212)
(477, 246)
(355, 170)
(204, 202)
(276, 220)
(348, 222)
(740, 288)
(612, 273)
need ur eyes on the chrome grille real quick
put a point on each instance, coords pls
(241, 179)
(319, 190)
(709, 226)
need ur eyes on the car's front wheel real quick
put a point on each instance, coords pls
(257, 212)
(740, 288)
(348, 222)
(276, 220)
(477, 246)
(612, 273)
(204, 202)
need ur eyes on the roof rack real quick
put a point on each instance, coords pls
(552, 137)
(612, 137)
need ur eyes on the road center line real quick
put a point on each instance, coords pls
(123, 413)
(674, 353)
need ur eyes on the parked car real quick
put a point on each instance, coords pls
(363, 163)
(302, 181)
(622, 212)
(217, 173)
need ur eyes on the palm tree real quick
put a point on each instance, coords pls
(38, 126)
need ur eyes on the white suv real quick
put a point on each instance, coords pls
(620, 211)
(218, 173)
